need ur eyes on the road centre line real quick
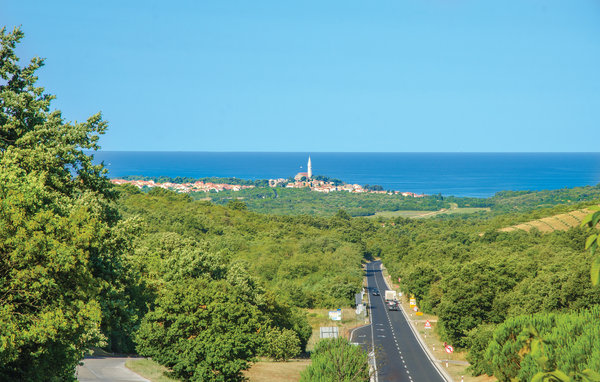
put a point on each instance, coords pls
(443, 373)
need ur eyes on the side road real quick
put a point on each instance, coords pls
(105, 369)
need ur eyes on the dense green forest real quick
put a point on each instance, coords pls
(479, 282)
(294, 201)
(523, 201)
(225, 263)
(303, 201)
(473, 277)
(309, 261)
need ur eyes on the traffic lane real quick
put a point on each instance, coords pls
(413, 353)
(389, 362)
(412, 356)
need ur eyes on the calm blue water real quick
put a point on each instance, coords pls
(460, 174)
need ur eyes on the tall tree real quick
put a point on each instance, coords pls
(60, 237)
(210, 318)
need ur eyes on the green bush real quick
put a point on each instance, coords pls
(524, 346)
(336, 360)
(478, 340)
(281, 344)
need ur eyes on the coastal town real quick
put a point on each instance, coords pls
(198, 186)
(315, 185)
(301, 180)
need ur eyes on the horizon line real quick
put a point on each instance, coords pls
(348, 152)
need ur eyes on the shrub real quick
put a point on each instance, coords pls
(336, 360)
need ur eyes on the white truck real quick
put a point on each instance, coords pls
(391, 300)
(390, 295)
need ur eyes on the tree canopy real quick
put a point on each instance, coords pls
(61, 243)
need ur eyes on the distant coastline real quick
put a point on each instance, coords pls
(216, 186)
(458, 174)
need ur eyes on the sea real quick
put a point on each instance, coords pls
(458, 174)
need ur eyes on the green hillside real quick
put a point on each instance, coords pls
(309, 261)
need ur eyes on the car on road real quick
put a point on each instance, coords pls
(375, 292)
(393, 305)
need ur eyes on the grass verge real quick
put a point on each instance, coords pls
(270, 371)
(320, 317)
(149, 369)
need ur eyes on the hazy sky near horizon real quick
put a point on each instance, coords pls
(390, 76)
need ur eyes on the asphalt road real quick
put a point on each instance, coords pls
(398, 353)
(105, 369)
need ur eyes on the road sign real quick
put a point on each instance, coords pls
(427, 324)
(335, 315)
(415, 309)
(449, 349)
(360, 308)
(329, 332)
(419, 313)
(358, 298)
(413, 301)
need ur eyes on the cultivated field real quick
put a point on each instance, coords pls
(561, 222)
(454, 209)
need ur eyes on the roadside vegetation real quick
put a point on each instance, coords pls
(270, 371)
(150, 370)
(337, 360)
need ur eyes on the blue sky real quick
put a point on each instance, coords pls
(390, 76)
